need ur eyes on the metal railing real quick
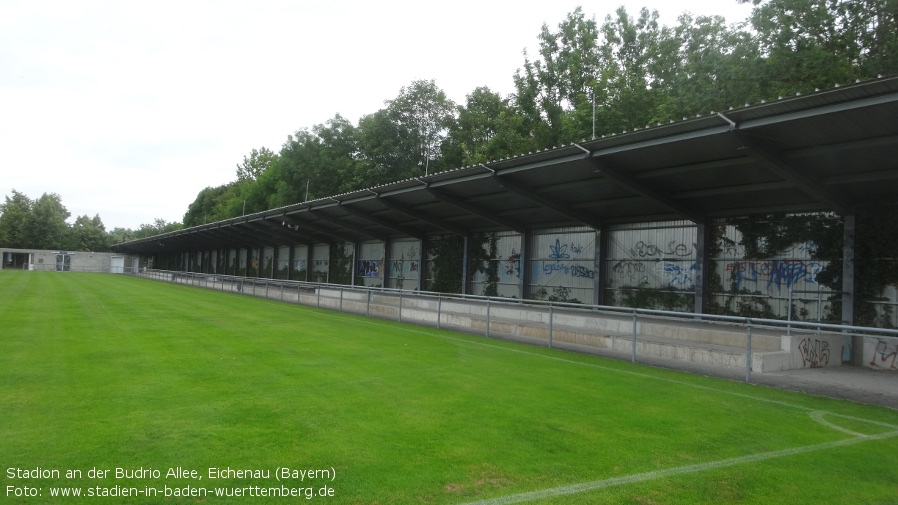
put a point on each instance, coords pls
(484, 314)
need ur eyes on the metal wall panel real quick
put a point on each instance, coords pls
(785, 285)
(369, 264)
(320, 263)
(300, 267)
(266, 268)
(651, 255)
(505, 262)
(562, 264)
(405, 264)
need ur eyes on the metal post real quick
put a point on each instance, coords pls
(439, 310)
(368, 303)
(487, 317)
(789, 314)
(341, 299)
(633, 347)
(748, 351)
(551, 322)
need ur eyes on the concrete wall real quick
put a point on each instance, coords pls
(591, 330)
(77, 261)
(881, 354)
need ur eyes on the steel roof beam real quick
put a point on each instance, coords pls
(282, 232)
(339, 222)
(564, 210)
(637, 187)
(476, 210)
(398, 228)
(776, 164)
(323, 234)
(421, 216)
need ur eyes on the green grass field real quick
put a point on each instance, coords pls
(102, 372)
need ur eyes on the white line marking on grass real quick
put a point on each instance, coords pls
(642, 477)
(816, 415)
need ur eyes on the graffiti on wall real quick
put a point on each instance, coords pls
(632, 272)
(560, 254)
(776, 273)
(884, 355)
(407, 263)
(814, 352)
(676, 275)
(674, 248)
(368, 268)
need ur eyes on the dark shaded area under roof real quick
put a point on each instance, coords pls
(829, 151)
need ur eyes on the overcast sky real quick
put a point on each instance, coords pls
(129, 109)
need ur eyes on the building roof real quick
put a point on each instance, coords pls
(827, 151)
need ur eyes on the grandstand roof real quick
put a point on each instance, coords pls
(826, 151)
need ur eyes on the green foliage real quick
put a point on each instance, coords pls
(14, 215)
(447, 263)
(482, 256)
(487, 128)
(45, 226)
(89, 234)
(643, 297)
(559, 294)
(876, 241)
(340, 264)
(256, 164)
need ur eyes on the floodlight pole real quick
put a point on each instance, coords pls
(593, 113)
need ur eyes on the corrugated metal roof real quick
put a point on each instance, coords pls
(826, 151)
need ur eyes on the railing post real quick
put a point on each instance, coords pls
(551, 323)
(487, 317)
(748, 351)
(368, 302)
(633, 346)
(439, 309)
(341, 298)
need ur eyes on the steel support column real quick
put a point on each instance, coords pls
(702, 261)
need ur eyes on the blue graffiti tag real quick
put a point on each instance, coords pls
(779, 273)
(550, 268)
(559, 251)
(679, 277)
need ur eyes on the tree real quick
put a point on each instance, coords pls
(423, 111)
(705, 65)
(810, 44)
(158, 226)
(46, 227)
(405, 138)
(628, 89)
(487, 128)
(256, 164)
(210, 205)
(14, 216)
(89, 234)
